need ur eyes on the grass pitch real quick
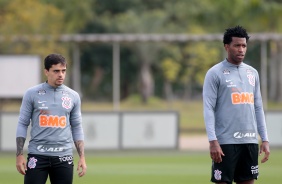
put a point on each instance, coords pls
(150, 167)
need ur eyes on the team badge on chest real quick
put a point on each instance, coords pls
(66, 102)
(251, 77)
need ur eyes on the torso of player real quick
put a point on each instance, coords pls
(53, 108)
(235, 112)
(51, 130)
(239, 83)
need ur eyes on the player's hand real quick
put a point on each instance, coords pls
(264, 147)
(21, 164)
(216, 152)
(81, 167)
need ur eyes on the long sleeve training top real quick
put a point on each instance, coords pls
(55, 118)
(233, 110)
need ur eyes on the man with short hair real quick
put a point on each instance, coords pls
(54, 112)
(234, 115)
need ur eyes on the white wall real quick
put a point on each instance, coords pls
(17, 74)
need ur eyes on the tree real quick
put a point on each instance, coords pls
(170, 70)
(75, 13)
(29, 18)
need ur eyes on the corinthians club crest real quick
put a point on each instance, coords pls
(66, 102)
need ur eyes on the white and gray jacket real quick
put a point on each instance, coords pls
(233, 109)
(55, 118)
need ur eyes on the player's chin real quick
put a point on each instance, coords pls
(240, 59)
(59, 83)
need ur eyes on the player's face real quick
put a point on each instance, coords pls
(236, 50)
(56, 75)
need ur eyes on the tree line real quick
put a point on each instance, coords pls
(164, 70)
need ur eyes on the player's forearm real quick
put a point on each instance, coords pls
(20, 144)
(79, 147)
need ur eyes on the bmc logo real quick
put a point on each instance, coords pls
(52, 121)
(242, 98)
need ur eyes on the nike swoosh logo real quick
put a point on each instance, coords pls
(228, 80)
(41, 101)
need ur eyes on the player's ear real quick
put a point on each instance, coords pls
(46, 72)
(226, 46)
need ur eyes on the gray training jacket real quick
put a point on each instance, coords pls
(233, 110)
(55, 117)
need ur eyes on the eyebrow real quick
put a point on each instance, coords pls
(59, 70)
(241, 44)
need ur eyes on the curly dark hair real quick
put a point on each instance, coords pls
(237, 31)
(54, 59)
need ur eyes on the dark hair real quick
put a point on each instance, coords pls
(237, 31)
(54, 59)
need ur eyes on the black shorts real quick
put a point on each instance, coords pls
(39, 167)
(240, 163)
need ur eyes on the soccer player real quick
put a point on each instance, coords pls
(234, 115)
(54, 113)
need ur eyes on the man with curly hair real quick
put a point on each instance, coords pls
(234, 115)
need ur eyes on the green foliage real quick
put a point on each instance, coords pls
(199, 58)
(75, 13)
(28, 18)
(19, 18)
(56, 17)
(170, 69)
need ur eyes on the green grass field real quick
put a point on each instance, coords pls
(146, 167)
